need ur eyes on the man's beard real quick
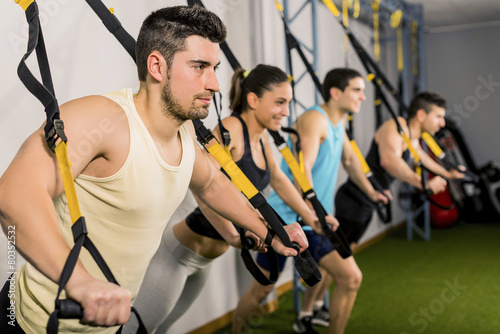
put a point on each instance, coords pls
(172, 107)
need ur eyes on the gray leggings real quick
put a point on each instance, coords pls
(174, 279)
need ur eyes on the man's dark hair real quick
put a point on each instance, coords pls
(166, 30)
(425, 100)
(339, 78)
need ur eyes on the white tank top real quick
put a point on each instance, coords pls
(125, 215)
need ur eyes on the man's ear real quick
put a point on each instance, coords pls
(157, 66)
(421, 114)
(335, 93)
(252, 100)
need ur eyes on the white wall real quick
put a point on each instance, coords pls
(86, 59)
(464, 66)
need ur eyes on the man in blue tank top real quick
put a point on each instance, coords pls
(324, 145)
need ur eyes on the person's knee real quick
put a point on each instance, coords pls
(351, 280)
(260, 292)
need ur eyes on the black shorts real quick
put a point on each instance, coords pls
(353, 229)
(353, 210)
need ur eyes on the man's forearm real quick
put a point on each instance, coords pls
(227, 201)
(400, 170)
(225, 227)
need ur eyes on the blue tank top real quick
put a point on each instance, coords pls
(324, 171)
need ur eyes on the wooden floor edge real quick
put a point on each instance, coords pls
(273, 305)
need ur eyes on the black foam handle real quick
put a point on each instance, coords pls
(70, 309)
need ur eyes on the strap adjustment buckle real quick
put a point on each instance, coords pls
(226, 138)
(54, 133)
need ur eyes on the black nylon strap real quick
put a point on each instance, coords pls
(269, 237)
(384, 211)
(224, 46)
(225, 135)
(68, 308)
(114, 26)
(43, 92)
(305, 265)
(79, 225)
(54, 129)
(272, 257)
(337, 238)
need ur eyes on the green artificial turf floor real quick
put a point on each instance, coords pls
(448, 285)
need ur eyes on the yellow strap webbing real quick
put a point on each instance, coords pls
(376, 36)
(357, 9)
(345, 21)
(331, 6)
(24, 3)
(396, 21)
(239, 179)
(361, 158)
(301, 162)
(61, 151)
(399, 33)
(298, 174)
(431, 143)
(68, 183)
(278, 5)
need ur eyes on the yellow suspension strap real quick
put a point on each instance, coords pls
(337, 238)
(56, 141)
(292, 43)
(406, 138)
(384, 211)
(376, 30)
(396, 22)
(357, 9)
(246, 243)
(329, 4)
(304, 262)
(345, 21)
(378, 78)
(443, 158)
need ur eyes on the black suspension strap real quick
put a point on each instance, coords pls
(337, 238)
(114, 26)
(379, 79)
(304, 263)
(292, 43)
(384, 211)
(56, 141)
(246, 243)
(309, 269)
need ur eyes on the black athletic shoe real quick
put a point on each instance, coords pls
(321, 317)
(304, 326)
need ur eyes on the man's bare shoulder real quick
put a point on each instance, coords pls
(312, 121)
(92, 105)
